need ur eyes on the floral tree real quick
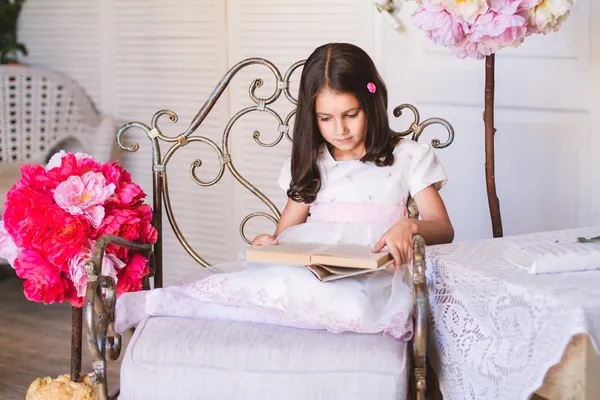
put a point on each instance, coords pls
(53, 217)
(478, 29)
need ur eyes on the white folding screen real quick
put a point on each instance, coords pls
(282, 32)
(136, 57)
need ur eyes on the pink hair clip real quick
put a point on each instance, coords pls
(371, 87)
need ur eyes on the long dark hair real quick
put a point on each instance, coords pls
(341, 68)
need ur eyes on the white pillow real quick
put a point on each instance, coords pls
(378, 302)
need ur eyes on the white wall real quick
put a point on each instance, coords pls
(135, 57)
(547, 107)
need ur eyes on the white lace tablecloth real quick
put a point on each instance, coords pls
(496, 329)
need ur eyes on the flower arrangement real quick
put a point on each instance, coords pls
(479, 28)
(54, 215)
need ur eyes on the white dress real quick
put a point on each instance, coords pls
(357, 203)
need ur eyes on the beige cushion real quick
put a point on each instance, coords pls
(178, 358)
(10, 173)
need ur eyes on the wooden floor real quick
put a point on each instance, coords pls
(35, 340)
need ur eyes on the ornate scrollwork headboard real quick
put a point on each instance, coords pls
(263, 105)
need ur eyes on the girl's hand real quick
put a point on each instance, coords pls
(398, 240)
(264, 239)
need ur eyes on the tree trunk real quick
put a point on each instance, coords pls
(490, 131)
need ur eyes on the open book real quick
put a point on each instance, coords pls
(338, 255)
(326, 262)
(327, 273)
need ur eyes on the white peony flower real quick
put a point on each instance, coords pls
(468, 10)
(550, 14)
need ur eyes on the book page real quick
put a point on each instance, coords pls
(284, 253)
(291, 247)
(327, 273)
(348, 251)
(350, 256)
(354, 271)
(319, 272)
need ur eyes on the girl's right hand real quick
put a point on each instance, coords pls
(264, 239)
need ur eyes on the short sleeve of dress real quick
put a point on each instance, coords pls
(285, 176)
(425, 170)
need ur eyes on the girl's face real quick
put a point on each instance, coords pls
(342, 123)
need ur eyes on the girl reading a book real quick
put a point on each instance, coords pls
(347, 168)
(348, 181)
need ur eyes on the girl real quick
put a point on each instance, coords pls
(349, 170)
(354, 177)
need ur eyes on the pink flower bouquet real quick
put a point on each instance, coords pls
(478, 28)
(54, 215)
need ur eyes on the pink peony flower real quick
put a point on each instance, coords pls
(84, 196)
(128, 193)
(478, 28)
(149, 233)
(145, 212)
(70, 166)
(467, 48)
(110, 267)
(43, 282)
(72, 297)
(56, 160)
(63, 236)
(121, 222)
(510, 7)
(8, 248)
(128, 223)
(441, 27)
(131, 277)
(35, 177)
(494, 31)
(24, 213)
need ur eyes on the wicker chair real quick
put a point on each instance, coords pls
(182, 358)
(42, 112)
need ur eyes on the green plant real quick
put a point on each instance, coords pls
(9, 15)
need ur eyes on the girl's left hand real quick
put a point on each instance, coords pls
(398, 240)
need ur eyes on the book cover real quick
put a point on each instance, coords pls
(341, 255)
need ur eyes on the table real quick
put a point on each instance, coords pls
(497, 330)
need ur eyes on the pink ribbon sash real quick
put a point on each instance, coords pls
(357, 212)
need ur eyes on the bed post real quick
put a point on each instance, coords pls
(421, 312)
(156, 261)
